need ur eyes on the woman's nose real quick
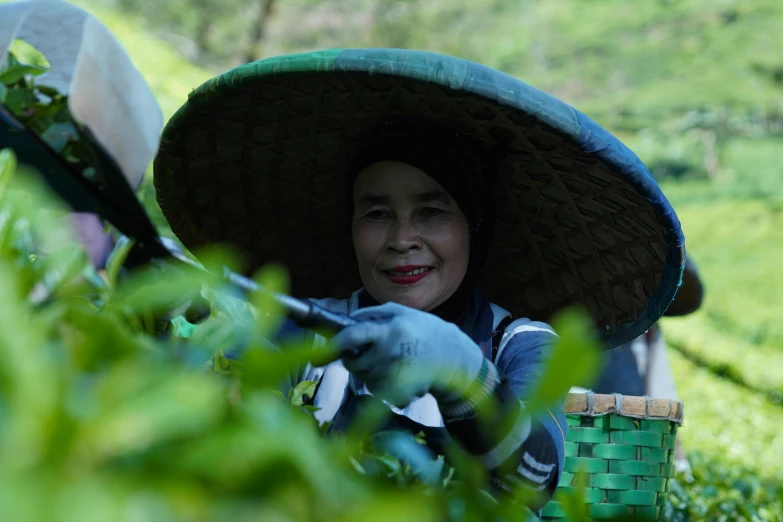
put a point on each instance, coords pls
(404, 236)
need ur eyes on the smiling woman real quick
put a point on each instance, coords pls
(432, 157)
(411, 239)
(419, 194)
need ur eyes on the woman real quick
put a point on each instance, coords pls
(400, 186)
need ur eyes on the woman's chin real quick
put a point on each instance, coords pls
(418, 304)
(410, 297)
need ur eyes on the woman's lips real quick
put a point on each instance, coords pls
(408, 274)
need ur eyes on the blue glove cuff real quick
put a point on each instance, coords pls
(460, 406)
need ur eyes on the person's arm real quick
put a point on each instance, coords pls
(409, 353)
(660, 384)
(660, 381)
(519, 451)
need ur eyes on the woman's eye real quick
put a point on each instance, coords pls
(432, 211)
(376, 214)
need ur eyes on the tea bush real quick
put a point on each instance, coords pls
(114, 407)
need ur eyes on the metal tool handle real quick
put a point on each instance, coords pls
(304, 312)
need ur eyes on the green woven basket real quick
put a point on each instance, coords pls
(624, 446)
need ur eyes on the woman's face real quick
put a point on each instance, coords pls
(411, 240)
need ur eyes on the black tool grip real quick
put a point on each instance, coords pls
(320, 316)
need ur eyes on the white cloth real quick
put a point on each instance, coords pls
(106, 92)
(652, 363)
(659, 381)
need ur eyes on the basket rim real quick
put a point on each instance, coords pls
(596, 404)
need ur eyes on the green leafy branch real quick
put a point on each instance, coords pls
(41, 108)
(102, 414)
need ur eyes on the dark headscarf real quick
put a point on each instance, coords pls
(462, 168)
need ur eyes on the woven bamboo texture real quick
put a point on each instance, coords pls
(264, 169)
(622, 448)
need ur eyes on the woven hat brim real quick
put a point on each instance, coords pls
(690, 295)
(257, 158)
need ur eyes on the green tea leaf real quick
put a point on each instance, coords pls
(304, 389)
(157, 289)
(273, 443)
(272, 279)
(216, 334)
(27, 54)
(51, 92)
(117, 259)
(58, 135)
(575, 360)
(98, 339)
(7, 168)
(221, 364)
(182, 328)
(266, 365)
(403, 447)
(64, 267)
(18, 72)
(11, 60)
(29, 378)
(573, 502)
(139, 407)
(16, 100)
(394, 506)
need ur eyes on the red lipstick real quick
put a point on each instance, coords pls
(407, 274)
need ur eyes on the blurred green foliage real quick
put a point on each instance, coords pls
(685, 83)
(112, 402)
(104, 412)
(101, 419)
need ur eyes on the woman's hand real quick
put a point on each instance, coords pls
(410, 354)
